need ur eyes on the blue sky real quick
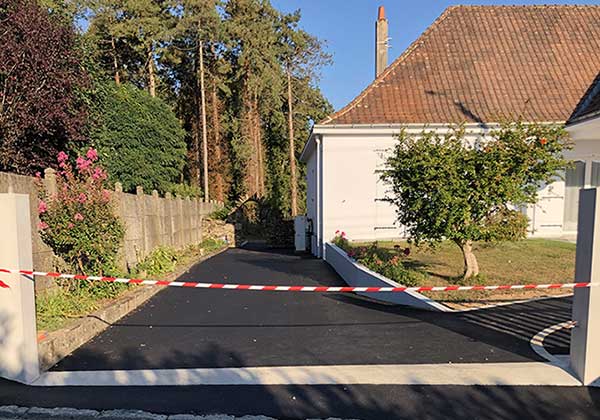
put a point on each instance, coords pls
(348, 27)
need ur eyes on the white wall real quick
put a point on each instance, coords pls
(311, 195)
(351, 187)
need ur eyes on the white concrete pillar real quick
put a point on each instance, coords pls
(18, 333)
(585, 337)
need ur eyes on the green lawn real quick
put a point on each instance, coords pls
(527, 261)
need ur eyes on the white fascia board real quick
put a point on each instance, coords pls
(588, 129)
(309, 147)
(391, 129)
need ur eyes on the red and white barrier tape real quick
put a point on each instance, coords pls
(320, 289)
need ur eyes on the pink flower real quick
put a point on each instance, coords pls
(106, 195)
(78, 216)
(92, 154)
(43, 226)
(82, 198)
(70, 225)
(38, 175)
(62, 157)
(83, 164)
(42, 207)
(337, 232)
(343, 234)
(98, 173)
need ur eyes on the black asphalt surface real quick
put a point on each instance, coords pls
(211, 328)
(190, 328)
(366, 402)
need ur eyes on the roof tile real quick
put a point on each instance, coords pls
(486, 63)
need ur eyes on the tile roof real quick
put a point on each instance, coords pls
(589, 106)
(487, 64)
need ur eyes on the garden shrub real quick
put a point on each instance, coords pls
(78, 221)
(139, 137)
(161, 260)
(390, 264)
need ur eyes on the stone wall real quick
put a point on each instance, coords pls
(149, 220)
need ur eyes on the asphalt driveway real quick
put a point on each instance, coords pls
(189, 328)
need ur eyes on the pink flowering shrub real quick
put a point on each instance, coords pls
(79, 222)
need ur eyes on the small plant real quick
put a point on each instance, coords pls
(161, 260)
(390, 265)
(341, 241)
(220, 214)
(78, 221)
(186, 190)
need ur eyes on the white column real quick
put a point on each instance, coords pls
(18, 333)
(585, 337)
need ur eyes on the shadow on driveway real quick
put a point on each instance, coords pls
(183, 328)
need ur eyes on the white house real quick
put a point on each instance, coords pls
(476, 65)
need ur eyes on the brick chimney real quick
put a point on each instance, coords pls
(381, 42)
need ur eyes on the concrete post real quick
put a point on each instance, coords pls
(18, 333)
(50, 180)
(585, 337)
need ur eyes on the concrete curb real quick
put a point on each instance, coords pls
(27, 413)
(58, 344)
(355, 274)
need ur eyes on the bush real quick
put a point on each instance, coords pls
(186, 190)
(390, 265)
(78, 222)
(160, 261)
(140, 138)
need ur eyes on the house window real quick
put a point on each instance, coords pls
(595, 181)
(574, 181)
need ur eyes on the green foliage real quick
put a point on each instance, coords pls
(221, 214)
(161, 260)
(139, 138)
(72, 300)
(445, 188)
(78, 221)
(391, 265)
(186, 190)
(249, 48)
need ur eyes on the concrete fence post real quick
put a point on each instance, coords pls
(585, 337)
(18, 333)
(50, 181)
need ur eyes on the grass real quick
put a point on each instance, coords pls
(57, 307)
(527, 261)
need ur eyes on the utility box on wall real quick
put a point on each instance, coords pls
(300, 233)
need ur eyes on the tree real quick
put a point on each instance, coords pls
(139, 138)
(41, 78)
(445, 188)
(302, 56)
(199, 22)
(150, 24)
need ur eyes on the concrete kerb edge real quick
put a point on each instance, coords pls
(375, 279)
(435, 306)
(59, 344)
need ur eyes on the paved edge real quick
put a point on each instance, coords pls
(58, 344)
(514, 374)
(537, 344)
(16, 412)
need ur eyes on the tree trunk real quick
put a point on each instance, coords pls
(216, 123)
(471, 265)
(203, 113)
(293, 180)
(151, 75)
(115, 62)
(260, 173)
